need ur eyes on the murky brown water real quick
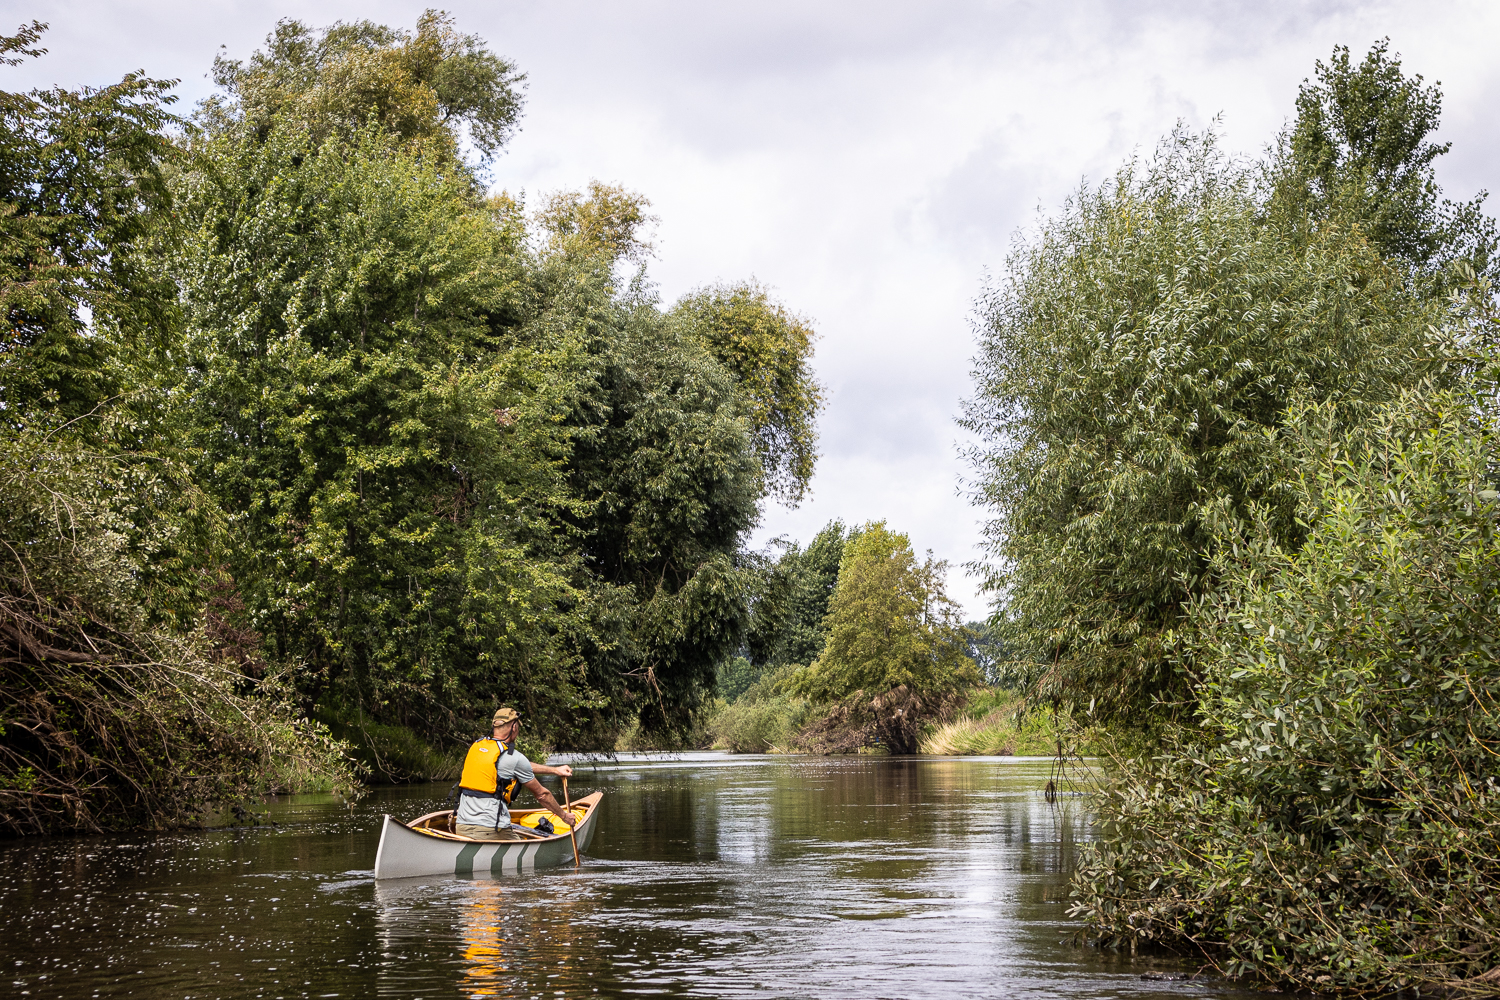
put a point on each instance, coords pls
(710, 876)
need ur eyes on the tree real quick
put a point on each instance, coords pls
(429, 86)
(768, 350)
(606, 223)
(665, 462)
(390, 449)
(788, 623)
(1358, 154)
(120, 706)
(895, 640)
(1135, 371)
(81, 185)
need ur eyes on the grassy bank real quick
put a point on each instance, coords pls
(999, 723)
(991, 722)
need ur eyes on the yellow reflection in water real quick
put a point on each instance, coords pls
(486, 970)
(518, 937)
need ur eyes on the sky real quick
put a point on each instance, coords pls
(871, 162)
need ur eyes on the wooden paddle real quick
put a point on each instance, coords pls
(568, 805)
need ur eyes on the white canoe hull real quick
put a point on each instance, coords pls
(405, 852)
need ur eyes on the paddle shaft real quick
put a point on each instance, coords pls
(568, 805)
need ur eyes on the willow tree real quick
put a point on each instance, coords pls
(1136, 366)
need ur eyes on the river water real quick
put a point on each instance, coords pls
(709, 876)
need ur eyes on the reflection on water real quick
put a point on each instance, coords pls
(710, 876)
(482, 928)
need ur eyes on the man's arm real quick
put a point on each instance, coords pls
(543, 796)
(562, 772)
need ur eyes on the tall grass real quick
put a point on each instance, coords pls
(999, 723)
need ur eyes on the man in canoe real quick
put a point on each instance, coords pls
(493, 771)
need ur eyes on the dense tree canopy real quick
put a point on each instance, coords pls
(120, 706)
(81, 184)
(425, 86)
(769, 350)
(1136, 366)
(428, 452)
(788, 626)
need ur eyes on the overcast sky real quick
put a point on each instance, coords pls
(868, 161)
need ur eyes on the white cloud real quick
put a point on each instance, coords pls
(869, 161)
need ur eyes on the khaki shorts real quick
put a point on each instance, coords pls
(474, 832)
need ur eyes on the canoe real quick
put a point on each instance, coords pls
(427, 846)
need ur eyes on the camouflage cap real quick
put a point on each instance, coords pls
(505, 716)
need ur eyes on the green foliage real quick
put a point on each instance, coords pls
(423, 86)
(735, 677)
(606, 224)
(989, 653)
(120, 705)
(894, 638)
(1333, 819)
(1358, 154)
(890, 623)
(766, 725)
(790, 610)
(999, 722)
(389, 450)
(110, 719)
(1136, 367)
(764, 719)
(665, 462)
(769, 352)
(407, 457)
(389, 752)
(81, 184)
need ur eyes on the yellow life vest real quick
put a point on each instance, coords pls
(479, 776)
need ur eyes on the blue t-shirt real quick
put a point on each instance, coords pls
(479, 810)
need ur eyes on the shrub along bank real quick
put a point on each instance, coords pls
(1241, 451)
(1334, 816)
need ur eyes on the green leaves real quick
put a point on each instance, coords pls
(81, 188)
(769, 351)
(1358, 155)
(1347, 726)
(890, 628)
(1136, 368)
(420, 87)
(391, 448)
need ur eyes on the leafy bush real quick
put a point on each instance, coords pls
(390, 752)
(765, 719)
(758, 726)
(110, 717)
(1334, 818)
